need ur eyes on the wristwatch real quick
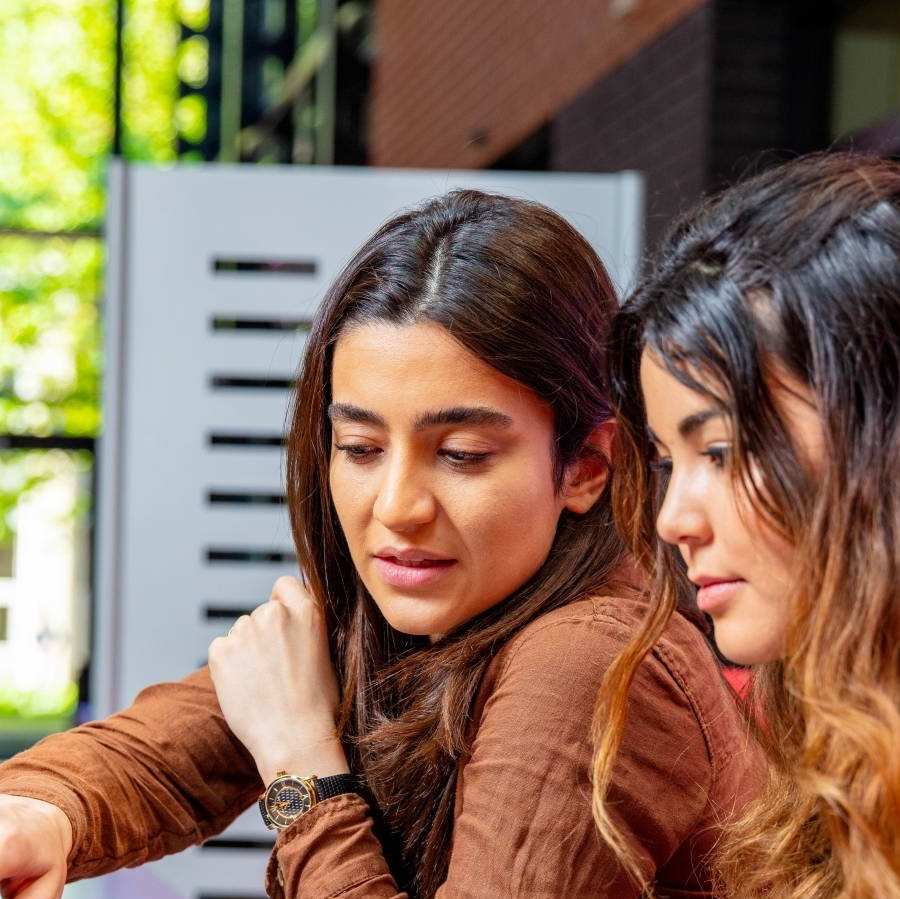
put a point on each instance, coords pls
(290, 795)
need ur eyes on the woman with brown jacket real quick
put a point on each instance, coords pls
(756, 377)
(418, 712)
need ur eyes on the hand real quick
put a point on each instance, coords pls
(277, 687)
(35, 841)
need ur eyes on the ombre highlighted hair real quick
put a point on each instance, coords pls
(800, 267)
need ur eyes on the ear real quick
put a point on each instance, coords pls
(587, 476)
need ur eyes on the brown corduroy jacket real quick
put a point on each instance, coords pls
(168, 773)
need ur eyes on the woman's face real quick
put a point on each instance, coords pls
(441, 475)
(739, 564)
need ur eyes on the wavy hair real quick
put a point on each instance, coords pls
(520, 289)
(797, 270)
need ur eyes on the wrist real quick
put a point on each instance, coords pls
(59, 820)
(323, 758)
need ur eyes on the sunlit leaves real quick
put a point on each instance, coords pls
(49, 335)
(151, 80)
(57, 69)
(57, 87)
(193, 61)
(23, 470)
(56, 94)
(193, 13)
(190, 117)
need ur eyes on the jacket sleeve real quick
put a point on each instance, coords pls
(158, 777)
(523, 823)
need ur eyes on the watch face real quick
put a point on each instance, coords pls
(286, 799)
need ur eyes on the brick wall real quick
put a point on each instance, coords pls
(733, 87)
(651, 114)
(772, 85)
(458, 83)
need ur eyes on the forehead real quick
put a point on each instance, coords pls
(405, 369)
(667, 401)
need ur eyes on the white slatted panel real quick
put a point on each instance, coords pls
(159, 464)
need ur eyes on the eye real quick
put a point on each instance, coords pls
(358, 453)
(718, 455)
(462, 459)
(659, 463)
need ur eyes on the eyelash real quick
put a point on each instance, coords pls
(359, 454)
(718, 455)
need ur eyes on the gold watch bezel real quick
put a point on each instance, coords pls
(305, 786)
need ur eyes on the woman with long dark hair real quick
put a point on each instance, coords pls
(756, 382)
(418, 712)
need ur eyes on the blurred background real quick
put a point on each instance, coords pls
(691, 93)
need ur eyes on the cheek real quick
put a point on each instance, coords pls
(509, 520)
(769, 557)
(348, 496)
(753, 632)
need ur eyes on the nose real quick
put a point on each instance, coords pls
(682, 519)
(404, 502)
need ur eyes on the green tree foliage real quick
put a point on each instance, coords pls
(56, 84)
(150, 92)
(57, 78)
(49, 336)
(57, 70)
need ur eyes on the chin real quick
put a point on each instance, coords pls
(417, 616)
(745, 645)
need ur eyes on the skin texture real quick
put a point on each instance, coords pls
(718, 532)
(491, 520)
(35, 841)
(479, 494)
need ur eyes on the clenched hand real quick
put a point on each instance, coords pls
(277, 687)
(35, 841)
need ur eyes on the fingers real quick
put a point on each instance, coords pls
(287, 592)
(289, 600)
(239, 623)
(290, 591)
(45, 888)
(50, 886)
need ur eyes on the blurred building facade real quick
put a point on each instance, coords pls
(693, 93)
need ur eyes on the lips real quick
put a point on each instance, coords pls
(714, 593)
(704, 580)
(411, 554)
(412, 568)
(413, 563)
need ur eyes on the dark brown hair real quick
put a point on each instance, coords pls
(796, 271)
(520, 289)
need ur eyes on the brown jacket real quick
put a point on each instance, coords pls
(167, 773)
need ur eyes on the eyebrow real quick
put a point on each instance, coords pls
(463, 415)
(454, 415)
(691, 423)
(349, 412)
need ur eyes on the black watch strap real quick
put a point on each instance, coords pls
(326, 787)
